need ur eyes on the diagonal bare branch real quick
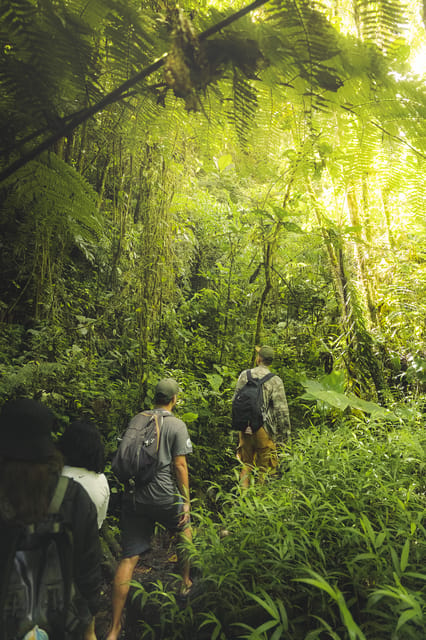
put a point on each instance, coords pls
(73, 121)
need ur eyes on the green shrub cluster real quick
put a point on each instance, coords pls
(333, 548)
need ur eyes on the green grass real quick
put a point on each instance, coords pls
(334, 548)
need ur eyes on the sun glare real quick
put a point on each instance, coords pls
(418, 63)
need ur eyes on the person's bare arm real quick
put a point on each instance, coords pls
(182, 479)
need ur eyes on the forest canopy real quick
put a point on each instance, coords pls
(182, 182)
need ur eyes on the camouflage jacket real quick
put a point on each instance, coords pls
(277, 422)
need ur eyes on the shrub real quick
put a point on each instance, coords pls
(334, 548)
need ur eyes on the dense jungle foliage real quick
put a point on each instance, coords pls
(180, 183)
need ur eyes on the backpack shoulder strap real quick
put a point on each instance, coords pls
(141, 420)
(157, 417)
(59, 494)
(158, 425)
(267, 377)
(155, 414)
(55, 504)
(249, 375)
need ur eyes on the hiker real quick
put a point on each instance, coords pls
(43, 515)
(164, 499)
(259, 448)
(83, 451)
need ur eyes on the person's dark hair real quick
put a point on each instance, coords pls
(81, 445)
(165, 390)
(161, 400)
(26, 488)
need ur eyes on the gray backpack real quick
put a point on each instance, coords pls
(135, 461)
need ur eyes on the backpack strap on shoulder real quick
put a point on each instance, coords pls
(151, 413)
(59, 494)
(158, 417)
(158, 425)
(57, 499)
(249, 375)
(267, 377)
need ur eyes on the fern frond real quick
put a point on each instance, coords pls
(48, 189)
(273, 126)
(381, 21)
(307, 40)
(244, 106)
(46, 56)
(412, 181)
(131, 40)
(55, 57)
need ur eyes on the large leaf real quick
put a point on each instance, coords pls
(316, 390)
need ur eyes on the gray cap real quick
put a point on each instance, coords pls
(167, 387)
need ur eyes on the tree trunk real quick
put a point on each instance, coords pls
(356, 222)
(267, 263)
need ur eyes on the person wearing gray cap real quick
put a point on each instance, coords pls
(165, 499)
(258, 449)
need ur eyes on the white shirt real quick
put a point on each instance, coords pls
(96, 486)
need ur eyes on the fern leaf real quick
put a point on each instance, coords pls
(50, 189)
(244, 106)
(381, 22)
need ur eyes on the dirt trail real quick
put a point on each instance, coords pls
(158, 564)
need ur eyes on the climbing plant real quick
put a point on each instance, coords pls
(220, 174)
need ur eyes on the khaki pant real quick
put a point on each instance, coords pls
(258, 450)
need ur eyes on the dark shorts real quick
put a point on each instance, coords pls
(138, 523)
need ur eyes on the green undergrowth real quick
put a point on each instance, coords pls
(335, 547)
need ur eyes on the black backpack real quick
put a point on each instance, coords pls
(135, 461)
(247, 406)
(37, 581)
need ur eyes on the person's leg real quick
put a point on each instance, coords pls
(245, 453)
(245, 476)
(266, 454)
(186, 536)
(120, 591)
(136, 531)
(90, 634)
(174, 518)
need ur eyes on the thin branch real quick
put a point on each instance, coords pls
(394, 136)
(227, 21)
(78, 118)
(398, 139)
(83, 115)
